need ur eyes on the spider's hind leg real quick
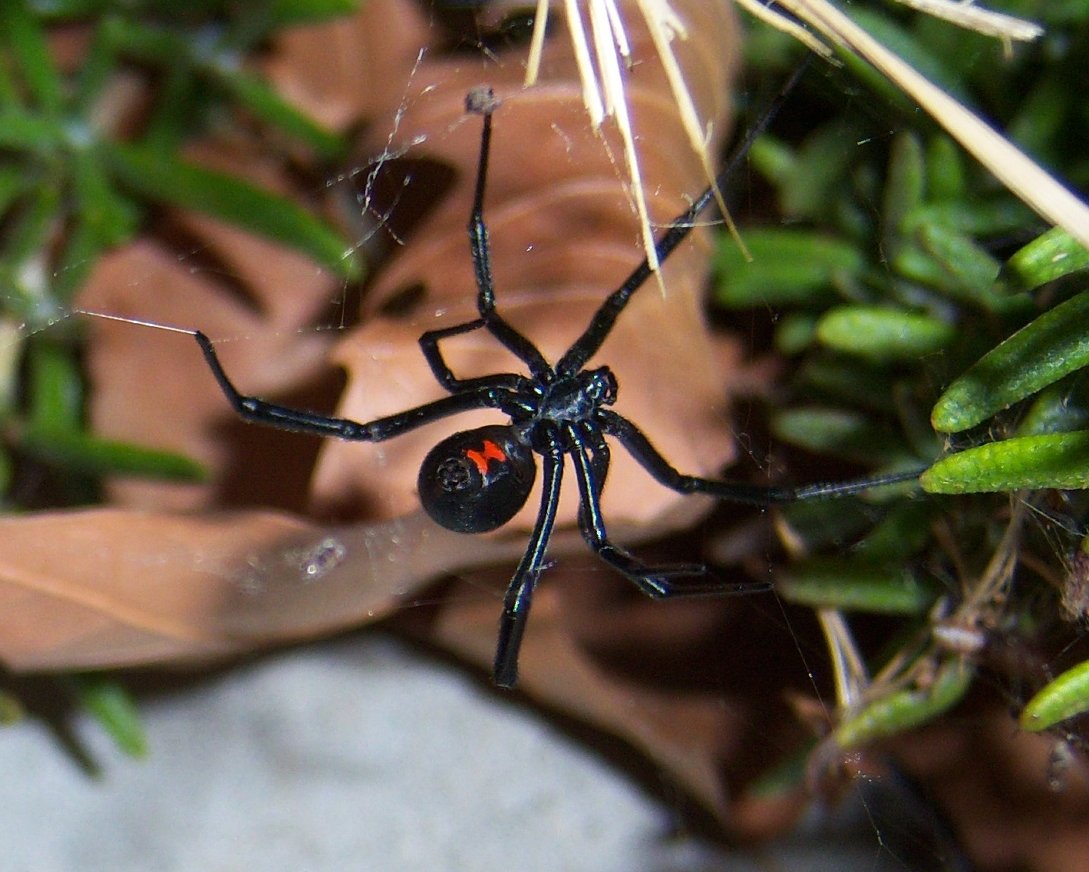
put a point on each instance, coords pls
(591, 457)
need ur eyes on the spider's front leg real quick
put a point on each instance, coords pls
(601, 324)
(483, 102)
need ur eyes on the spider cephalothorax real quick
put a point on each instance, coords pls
(476, 480)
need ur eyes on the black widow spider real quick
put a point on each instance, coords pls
(477, 480)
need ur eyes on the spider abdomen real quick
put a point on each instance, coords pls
(476, 480)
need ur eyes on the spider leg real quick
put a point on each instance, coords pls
(518, 344)
(655, 581)
(429, 345)
(637, 444)
(599, 461)
(486, 394)
(587, 345)
(519, 594)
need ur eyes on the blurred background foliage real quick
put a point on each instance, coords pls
(925, 312)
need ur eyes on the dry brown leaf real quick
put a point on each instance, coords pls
(121, 587)
(142, 584)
